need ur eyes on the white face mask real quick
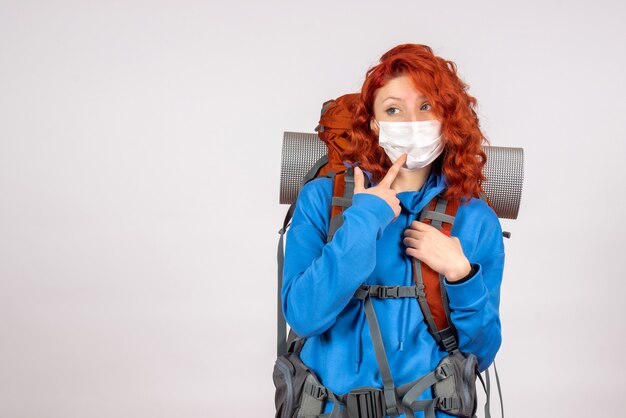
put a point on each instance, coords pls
(421, 141)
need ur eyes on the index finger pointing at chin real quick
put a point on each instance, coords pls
(393, 171)
(401, 160)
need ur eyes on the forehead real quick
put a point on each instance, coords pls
(399, 88)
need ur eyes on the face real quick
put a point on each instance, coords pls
(400, 101)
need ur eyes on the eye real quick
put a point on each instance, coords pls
(392, 111)
(426, 107)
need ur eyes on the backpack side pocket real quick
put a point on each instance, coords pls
(290, 375)
(456, 393)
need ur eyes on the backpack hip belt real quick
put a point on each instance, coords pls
(453, 380)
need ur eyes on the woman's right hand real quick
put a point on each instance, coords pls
(382, 189)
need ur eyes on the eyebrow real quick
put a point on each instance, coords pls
(399, 99)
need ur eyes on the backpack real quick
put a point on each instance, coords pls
(298, 390)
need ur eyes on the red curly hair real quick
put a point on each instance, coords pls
(463, 159)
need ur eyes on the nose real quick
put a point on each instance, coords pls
(421, 118)
(415, 115)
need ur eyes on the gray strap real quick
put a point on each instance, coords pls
(320, 127)
(446, 337)
(381, 358)
(422, 384)
(337, 411)
(312, 173)
(349, 188)
(345, 202)
(335, 222)
(437, 218)
(281, 323)
(328, 396)
(444, 297)
(487, 388)
(495, 369)
(440, 208)
(427, 406)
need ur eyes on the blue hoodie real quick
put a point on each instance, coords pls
(320, 280)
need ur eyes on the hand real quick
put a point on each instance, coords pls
(441, 252)
(382, 189)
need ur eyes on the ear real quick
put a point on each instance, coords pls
(374, 126)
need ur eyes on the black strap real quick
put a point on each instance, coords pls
(385, 292)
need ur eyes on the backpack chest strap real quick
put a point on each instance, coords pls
(386, 292)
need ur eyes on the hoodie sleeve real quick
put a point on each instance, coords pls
(475, 303)
(319, 278)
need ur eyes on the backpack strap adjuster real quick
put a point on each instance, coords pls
(316, 391)
(443, 371)
(447, 403)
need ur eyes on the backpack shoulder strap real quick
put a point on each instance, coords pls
(343, 191)
(432, 296)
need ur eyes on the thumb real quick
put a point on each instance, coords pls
(359, 181)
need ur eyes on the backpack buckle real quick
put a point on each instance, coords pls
(419, 290)
(365, 402)
(384, 292)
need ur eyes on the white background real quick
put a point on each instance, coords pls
(140, 151)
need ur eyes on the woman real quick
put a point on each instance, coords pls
(416, 135)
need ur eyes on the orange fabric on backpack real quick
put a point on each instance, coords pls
(432, 287)
(335, 128)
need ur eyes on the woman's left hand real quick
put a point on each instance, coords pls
(441, 252)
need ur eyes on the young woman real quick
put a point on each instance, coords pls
(416, 135)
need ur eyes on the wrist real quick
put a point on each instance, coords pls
(459, 272)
